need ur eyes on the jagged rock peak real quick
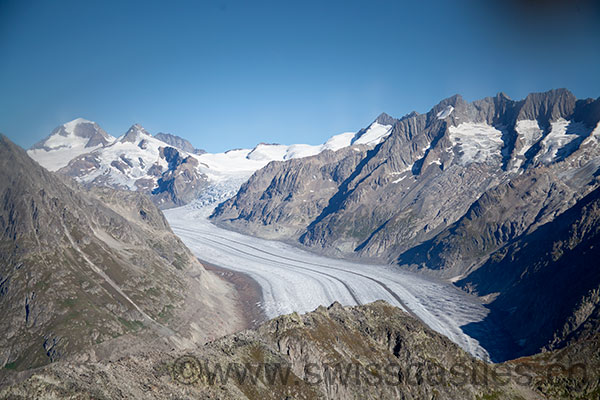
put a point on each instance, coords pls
(411, 114)
(454, 101)
(502, 96)
(548, 106)
(385, 119)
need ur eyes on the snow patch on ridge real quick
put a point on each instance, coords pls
(445, 113)
(374, 134)
(529, 133)
(57, 158)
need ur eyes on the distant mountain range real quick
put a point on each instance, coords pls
(165, 166)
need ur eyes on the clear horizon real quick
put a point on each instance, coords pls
(229, 74)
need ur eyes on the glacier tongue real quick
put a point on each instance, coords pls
(295, 280)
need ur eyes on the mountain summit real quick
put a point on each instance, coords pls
(134, 134)
(68, 141)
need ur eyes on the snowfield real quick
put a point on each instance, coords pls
(295, 280)
(242, 163)
(476, 142)
(445, 113)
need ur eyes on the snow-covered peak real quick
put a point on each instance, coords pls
(71, 126)
(135, 161)
(69, 141)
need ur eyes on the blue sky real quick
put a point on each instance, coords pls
(227, 74)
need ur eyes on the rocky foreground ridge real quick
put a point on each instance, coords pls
(364, 352)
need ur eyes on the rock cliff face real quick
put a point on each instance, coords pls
(180, 183)
(281, 203)
(178, 142)
(373, 351)
(423, 177)
(79, 268)
(545, 283)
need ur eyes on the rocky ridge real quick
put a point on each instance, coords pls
(421, 178)
(364, 352)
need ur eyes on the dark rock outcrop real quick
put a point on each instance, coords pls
(546, 283)
(180, 183)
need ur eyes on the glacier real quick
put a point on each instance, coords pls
(293, 279)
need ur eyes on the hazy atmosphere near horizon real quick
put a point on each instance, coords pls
(300, 199)
(225, 74)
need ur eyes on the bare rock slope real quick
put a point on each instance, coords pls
(374, 351)
(545, 284)
(80, 268)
